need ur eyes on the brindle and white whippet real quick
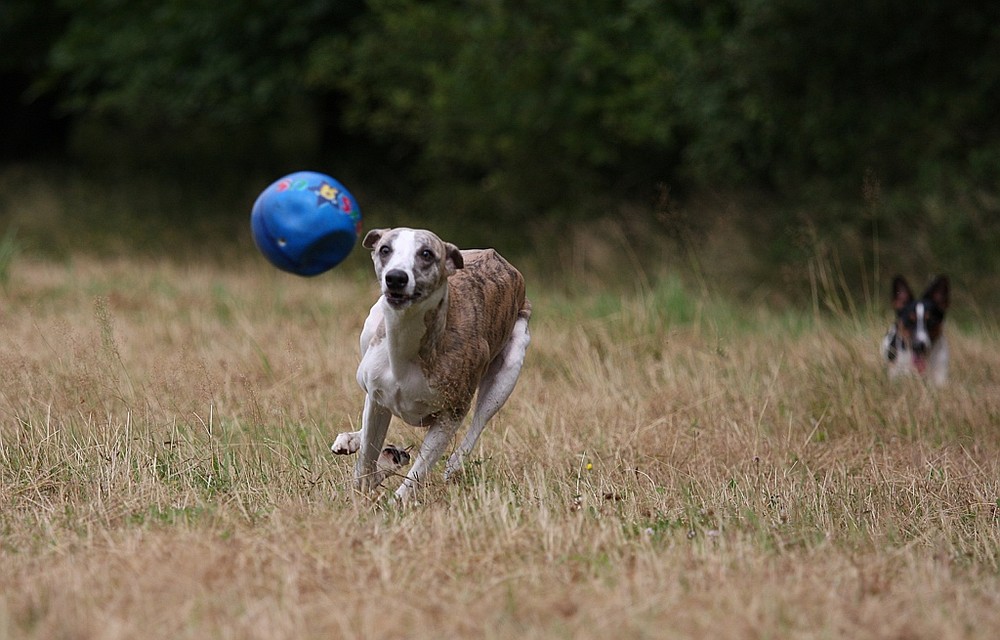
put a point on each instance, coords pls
(449, 325)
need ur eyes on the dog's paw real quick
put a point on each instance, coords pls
(455, 467)
(347, 443)
(406, 493)
(392, 459)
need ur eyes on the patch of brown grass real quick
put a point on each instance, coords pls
(668, 465)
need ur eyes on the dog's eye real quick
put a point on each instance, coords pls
(427, 254)
(385, 250)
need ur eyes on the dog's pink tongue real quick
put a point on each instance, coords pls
(920, 363)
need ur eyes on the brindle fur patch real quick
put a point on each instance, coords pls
(484, 300)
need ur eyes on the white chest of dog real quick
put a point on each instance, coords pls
(393, 380)
(448, 326)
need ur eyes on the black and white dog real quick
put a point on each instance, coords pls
(915, 343)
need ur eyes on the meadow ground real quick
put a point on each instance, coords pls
(672, 464)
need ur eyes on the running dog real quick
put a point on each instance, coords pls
(915, 343)
(449, 324)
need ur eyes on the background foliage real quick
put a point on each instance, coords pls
(783, 118)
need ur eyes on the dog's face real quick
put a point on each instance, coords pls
(410, 264)
(919, 321)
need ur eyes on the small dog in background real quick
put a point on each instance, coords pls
(915, 343)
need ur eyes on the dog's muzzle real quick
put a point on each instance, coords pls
(396, 284)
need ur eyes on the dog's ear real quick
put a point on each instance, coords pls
(938, 292)
(372, 238)
(901, 293)
(453, 260)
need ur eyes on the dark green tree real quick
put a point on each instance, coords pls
(906, 91)
(31, 121)
(174, 62)
(534, 102)
(565, 105)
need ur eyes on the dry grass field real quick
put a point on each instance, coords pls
(672, 464)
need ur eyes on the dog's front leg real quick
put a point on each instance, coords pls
(439, 434)
(374, 426)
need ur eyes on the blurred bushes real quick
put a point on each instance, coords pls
(523, 112)
(547, 100)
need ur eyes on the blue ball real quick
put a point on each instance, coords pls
(305, 223)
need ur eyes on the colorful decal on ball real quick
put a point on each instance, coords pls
(289, 185)
(326, 193)
(348, 207)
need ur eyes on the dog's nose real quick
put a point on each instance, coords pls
(920, 347)
(396, 280)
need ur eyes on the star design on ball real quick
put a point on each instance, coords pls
(326, 193)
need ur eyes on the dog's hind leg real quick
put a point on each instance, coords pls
(439, 434)
(494, 390)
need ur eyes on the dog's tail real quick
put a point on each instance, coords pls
(525, 311)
